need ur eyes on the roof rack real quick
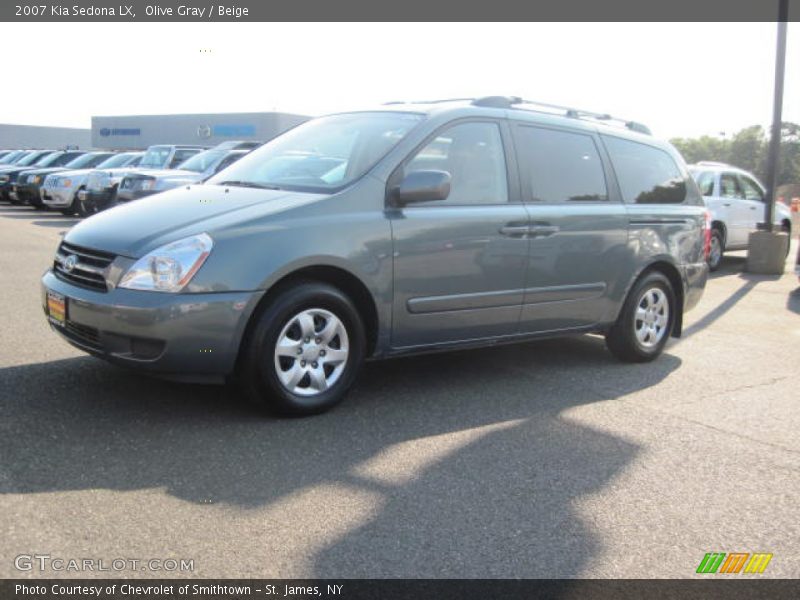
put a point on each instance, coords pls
(543, 107)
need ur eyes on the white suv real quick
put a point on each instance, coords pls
(735, 199)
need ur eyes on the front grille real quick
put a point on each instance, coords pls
(82, 334)
(90, 269)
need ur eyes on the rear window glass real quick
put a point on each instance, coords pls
(560, 166)
(646, 175)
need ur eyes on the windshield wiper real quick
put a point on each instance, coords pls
(250, 184)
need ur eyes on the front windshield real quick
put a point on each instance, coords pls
(321, 155)
(31, 158)
(11, 157)
(115, 160)
(87, 161)
(200, 163)
(155, 157)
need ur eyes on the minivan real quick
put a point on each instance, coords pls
(405, 229)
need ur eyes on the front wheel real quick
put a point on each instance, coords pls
(304, 351)
(716, 250)
(645, 322)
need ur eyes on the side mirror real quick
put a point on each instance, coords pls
(423, 186)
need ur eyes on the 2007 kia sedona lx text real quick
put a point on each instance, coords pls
(410, 228)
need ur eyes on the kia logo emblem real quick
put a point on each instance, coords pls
(204, 131)
(70, 262)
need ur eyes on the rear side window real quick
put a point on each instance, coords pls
(646, 175)
(560, 166)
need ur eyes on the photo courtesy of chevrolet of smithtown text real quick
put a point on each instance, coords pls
(357, 300)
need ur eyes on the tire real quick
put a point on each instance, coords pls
(717, 250)
(627, 339)
(787, 228)
(299, 381)
(84, 209)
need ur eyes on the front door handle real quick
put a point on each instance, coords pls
(543, 230)
(753, 208)
(514, 230)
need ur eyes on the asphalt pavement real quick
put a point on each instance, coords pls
(547, 459)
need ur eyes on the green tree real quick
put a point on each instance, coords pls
(748, 150)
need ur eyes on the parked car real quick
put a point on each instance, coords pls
(436, 226)
(735, 199)
(101, 186)
(29, 183)
(9, 173)
(238, 145)
(60, 190)
(140, 184)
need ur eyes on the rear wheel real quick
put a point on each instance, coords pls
(716, 250)
(646, 320)
(304, 351)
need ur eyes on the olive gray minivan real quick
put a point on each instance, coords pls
(409, 228)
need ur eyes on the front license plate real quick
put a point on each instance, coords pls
(56, 308)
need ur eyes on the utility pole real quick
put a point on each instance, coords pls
(767, 248)
(777, 117)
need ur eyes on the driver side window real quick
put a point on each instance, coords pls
(751, 190)
(729, 186)
(473, 155)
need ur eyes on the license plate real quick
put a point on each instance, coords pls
(56, 308)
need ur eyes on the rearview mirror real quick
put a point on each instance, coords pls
(424, 186)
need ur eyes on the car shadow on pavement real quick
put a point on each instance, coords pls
(474, 466)
(62, 222)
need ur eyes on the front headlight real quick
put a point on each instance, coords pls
(169, 268)
(147, 184)
(3, 178)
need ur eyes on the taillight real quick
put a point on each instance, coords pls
(706, 234)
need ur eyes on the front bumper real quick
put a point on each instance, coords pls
(57, 197)
(187, 337)
(28, 193)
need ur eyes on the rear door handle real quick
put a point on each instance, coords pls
(543, 230)
(515, 230)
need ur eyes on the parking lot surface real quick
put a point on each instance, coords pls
(547, 459)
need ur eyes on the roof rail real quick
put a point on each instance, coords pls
(439, 101)
(573, 113)
(712, 163)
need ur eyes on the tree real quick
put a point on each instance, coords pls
(747, 149)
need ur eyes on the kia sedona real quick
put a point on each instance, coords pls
(406, 229)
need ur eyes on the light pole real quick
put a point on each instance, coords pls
(777, 116)
(767, 249)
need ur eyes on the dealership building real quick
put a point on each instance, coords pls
(141, 131)
(137, 132)
(34, 136)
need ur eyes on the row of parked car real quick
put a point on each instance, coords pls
(81, 182)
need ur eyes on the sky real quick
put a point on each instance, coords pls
(681, 79)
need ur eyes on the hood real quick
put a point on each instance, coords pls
(44, 171)
(75, 172)
(135, 228)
